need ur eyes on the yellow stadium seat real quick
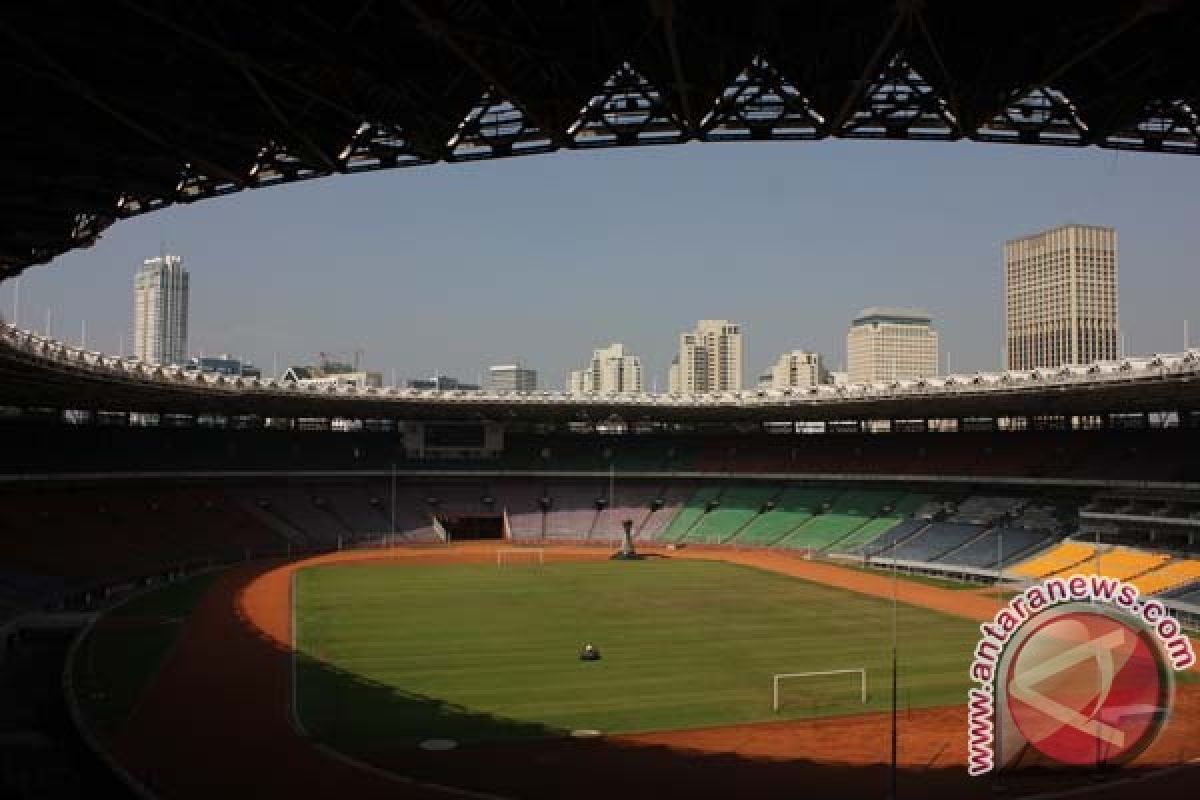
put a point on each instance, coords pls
(1061, 557)
(1170, 576)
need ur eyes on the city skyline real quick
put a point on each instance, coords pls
(314, 267)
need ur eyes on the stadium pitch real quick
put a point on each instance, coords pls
(397, 654)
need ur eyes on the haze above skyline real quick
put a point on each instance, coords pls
(454, 267)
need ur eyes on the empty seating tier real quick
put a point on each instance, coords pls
(1063, 556)
(738, 505)
(1125, 562)
(1001, 545)
(1172, 575)
(793, 507)
(938, 539)
(849, 512)
(901, 509)
(690, 513)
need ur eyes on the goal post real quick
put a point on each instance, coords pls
(527, 554)
(779, 678)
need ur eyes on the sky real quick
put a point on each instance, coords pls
(450, 268)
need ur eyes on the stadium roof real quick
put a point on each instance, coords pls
(117, 109)
(36, 372)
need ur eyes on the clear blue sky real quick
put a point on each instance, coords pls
(454, 267)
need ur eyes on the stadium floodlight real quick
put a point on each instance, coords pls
(778, 679)
(527, 553)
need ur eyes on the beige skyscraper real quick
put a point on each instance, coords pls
(891, 344)
(160, 311)
(1060, 290)
(612, 369)
(796, 369)
(710, 358)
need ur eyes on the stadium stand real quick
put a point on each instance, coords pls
(985, 510)
(849, 512)
(935, 541)
(1189, 596)
(1169, 577)
(673, 497)
(521, 502)
(689, 514)
(1159, 455)
(893, 536)
(909, 504)
(573, 511)
(632, 502)
(793, 507)
(1064, 556)
(999, 545)
(738, 506)
(1126, 563)
(352, 507)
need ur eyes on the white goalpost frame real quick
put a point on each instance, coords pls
(538, 551)
(861, 671)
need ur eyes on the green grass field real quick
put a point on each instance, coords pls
(397, 654)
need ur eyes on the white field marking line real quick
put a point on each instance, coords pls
(337, 755)
(293, 691)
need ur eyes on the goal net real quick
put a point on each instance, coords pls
(520, 555)
(826, 687)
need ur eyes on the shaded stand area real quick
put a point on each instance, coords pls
(472, 527)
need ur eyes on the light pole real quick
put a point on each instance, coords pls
(393, 493)
(612, 480)
(895, 669)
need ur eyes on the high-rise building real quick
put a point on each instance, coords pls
(710, 358)
(160, 311)
(512, 378)
(891, 344)
(612, 369)
(796, 369)
(1060, 292)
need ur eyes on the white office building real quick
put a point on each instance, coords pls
(160, 311)
(512, 378)
(1060, 292)
(709, 360)
(891, 344)
(612, 369)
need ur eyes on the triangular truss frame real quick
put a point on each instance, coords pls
(379, 145)
(762, 104)
(1164, 126)
(496, 127)
(196, 185)
(1041, 115)
(901, 104)
(629, 110)
(276, 164)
